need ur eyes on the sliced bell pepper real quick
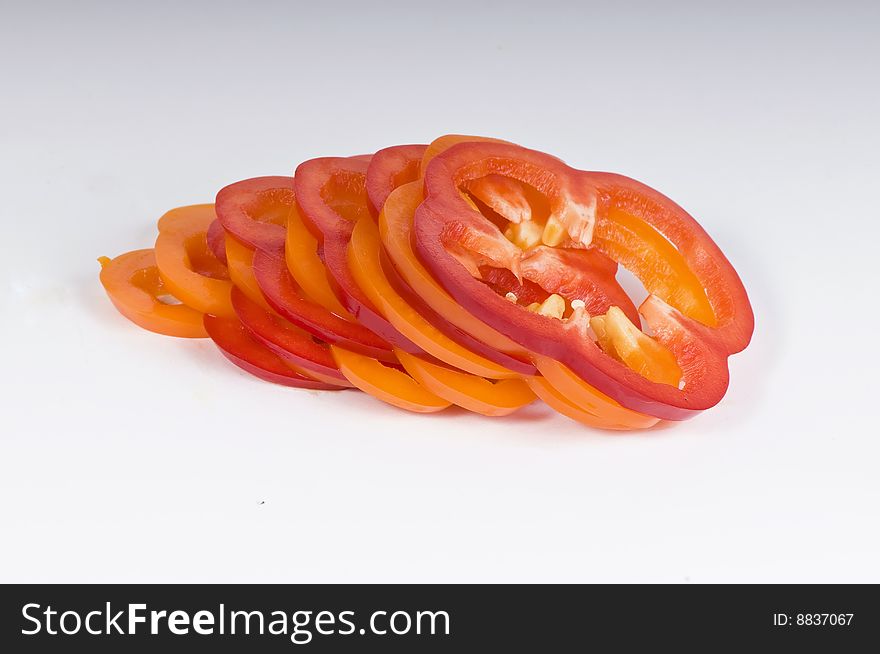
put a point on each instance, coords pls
(391, 385)
(189, 269)
(303, 262)
(255, 211)
(363, 258)
(454, 240)
(240, 259)
(561, 404)
(287, 299)
(389, 169)
(133, 284)
(331, 195)
(468, 391)
(216, 238)
(582, 395)
(286, 340)
(395, 229)
(237, 345)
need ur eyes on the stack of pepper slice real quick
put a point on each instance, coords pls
(470, 271)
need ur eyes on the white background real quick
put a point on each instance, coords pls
(132, 457)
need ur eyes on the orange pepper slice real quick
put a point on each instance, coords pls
(240, 259)
(363, 260)
(188, 267)
(388, 384)
(661, 268)
(582, 395)
(558, 402)
(395, 229)
(133, 284)
(468, 391)
(301, 254)
(446, 141)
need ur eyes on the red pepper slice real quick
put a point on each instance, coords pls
(237, 345)
(255, 211)
(386, 383)
(285, 297)
(287, 341)
(453, 239)
(331, 196)
(414, 282)
(391, 168)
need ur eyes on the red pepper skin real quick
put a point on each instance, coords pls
(216, 237)
(331, 195)
(390, 168)
(724, 289)
(236, 344)
(701, 351)
(449, 330)
(255, 210)
(284, 339)
(285, 297)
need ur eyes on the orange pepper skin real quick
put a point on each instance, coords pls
(306, 267)
(390, 385)
(134, 286)
(237, 345)
(240, 260)
(363, 258)
(445, 224)
(468, 391)
(189, 269)
(559, 403)
(581, 394)
(395, 229)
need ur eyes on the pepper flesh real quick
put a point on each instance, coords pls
(363, 256)
(468, 391)
(303, 262)
(446, 226)
(288, 300)
(285, 340)
(389, 169)
(133, 284)
(240, 259)
(387, 384)
(189, 269)
(331, 196)
(395, 229)
(237, 345)
(255, 211)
